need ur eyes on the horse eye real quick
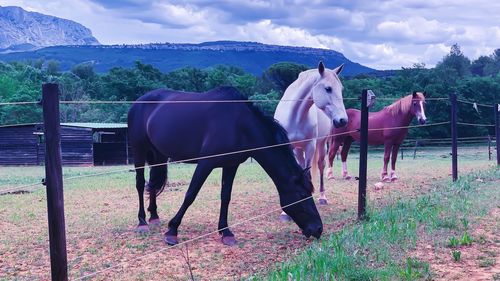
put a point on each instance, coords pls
(328, 89)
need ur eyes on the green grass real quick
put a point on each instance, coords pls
(375, 249)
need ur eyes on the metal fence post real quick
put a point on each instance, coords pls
(54, 183)
(454, 150)
(363, 153)
(496, 107)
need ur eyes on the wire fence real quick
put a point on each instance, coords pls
(20, 188)
(465, 140)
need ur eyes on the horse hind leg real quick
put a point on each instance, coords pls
(139, 162)
(320, 146)
(346, 146)
(156, 184)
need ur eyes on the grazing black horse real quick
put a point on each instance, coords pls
(191, 129)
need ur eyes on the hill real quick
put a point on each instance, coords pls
(250, 56)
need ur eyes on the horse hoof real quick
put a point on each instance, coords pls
(171, 240)
(228, 240)
(386, 179)
(330, 177)
(323, 201)
(142, 229)
(394, 179)
(347, 178)
(285, 218)
(154, 222)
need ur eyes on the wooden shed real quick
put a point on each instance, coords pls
(83, 144)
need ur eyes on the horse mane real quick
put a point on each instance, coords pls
(402, 105)
(267, 121)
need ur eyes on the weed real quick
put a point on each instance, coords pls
(466, 239)
(456, 255)
(453, 242)
(465, 223)
(415, 269)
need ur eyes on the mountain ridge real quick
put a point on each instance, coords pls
(25, 30)
(251, 56)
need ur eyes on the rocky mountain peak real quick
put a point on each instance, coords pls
(24, 30)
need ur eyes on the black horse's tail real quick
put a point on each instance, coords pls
(157, 175)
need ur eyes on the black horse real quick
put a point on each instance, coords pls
(194, 125)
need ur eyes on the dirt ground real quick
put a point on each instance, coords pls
(101, 219)
(479, 261)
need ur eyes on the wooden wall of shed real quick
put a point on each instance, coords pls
(19, 146)
(112, 148)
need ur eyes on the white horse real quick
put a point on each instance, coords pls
(307, 110)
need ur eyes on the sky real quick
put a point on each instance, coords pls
(380, 34)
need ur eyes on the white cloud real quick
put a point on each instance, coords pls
(377, 33)
(417, 30)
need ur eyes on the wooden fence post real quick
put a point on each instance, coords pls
(454, 150)
(363, 156)
(489, 147)
(54, 183)
(496, 107)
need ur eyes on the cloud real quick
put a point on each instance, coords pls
(377, 33)
(417, 30)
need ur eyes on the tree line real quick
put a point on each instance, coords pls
(477, 81)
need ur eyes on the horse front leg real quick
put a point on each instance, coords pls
(228, 174)
(320, 146)
(343, 154)
(387, 153)
(203, 169)
(332, 152)
(394, 157)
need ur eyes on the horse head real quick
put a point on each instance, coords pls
(327, 95)
(418, 106)
(298, 203)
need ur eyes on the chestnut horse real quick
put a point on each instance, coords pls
(203, 129)
(384, 128)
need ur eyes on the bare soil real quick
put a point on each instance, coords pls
(479, 261)
(101, 218)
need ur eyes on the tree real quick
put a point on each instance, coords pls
(53, 67)
(456, 61)
(188, 79)
(282, 74)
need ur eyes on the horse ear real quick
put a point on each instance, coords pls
(414, 94)
(425, 94)
(339, 69)
(321, 68)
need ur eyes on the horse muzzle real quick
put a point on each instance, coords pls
(422, 121)
(342, 122)
(313, 231)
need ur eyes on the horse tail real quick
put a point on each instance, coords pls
(314, 165)
(158, 174)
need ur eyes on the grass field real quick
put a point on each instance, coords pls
(101, 218)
